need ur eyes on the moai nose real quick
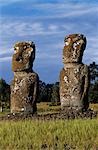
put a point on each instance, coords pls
(19, 58)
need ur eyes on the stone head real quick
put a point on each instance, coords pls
(23, 57)
(74, 47)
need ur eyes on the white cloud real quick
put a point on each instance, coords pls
(5, 59)
(63, 9)
(8, 2)
(53, 27)
(6, 51)
(18, 28)
(57, 19)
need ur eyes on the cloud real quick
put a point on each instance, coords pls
(5, 59)
(44, 9)
(52, 18)
(6, 2)
(19, 28)
(62, 9)
(47, 23)
(51, 35)
(53, 27)
(6, 51)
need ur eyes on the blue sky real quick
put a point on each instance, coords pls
(46, 22)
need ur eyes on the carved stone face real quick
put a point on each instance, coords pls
(74, 47)
(23, 57)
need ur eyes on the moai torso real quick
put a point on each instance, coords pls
(24, 87)
(74, 77)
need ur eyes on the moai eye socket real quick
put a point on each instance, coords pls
(67, 41)
(16, 50)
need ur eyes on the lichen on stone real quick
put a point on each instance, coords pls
(74, 77)
(24, 87)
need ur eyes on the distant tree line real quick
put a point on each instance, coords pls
(50, 92)
(4, 94)
(93, 91)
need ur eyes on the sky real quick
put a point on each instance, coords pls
(46, 23)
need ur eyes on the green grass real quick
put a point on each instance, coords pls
(49, 135)
(42, 108)
(93, 107)
(46, 108)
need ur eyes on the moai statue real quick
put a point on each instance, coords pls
(24, 87)
(74, 77)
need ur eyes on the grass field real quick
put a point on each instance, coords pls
(44, 108)
(75, 134)
(49, 135)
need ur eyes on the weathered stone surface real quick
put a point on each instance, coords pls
(74, 77)
(24, 92)
(24, 87)
(74, 48)
(74, 86)
(24, 55)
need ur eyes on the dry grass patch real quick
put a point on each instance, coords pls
(49, 135)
